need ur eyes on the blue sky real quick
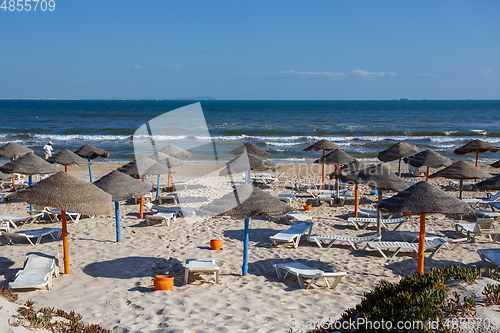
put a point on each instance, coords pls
(326, 50)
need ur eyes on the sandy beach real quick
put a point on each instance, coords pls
(111, 283)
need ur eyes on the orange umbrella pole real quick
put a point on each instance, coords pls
(13, 177)
(421, 243)
(323, 173)
(65, 242)
(427, 175)
(477, 161)
(65, 168)
(141, 205)
(356, 200)
(169, 181)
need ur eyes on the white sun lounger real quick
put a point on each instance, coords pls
(161, 216)
(177, 186)
(39, 268)
(476, 202)
(315, 193)
(302, 271)
(181, 211)
(169, 196)
(12, 219)
(292, 234)
(490, 257)
(414, 236)
(304, 186)
(342, 198)
(291, 217)
(324, 197)
(318, 239)
(35, 234)
(435, 244)
(483, 226)
(288, 198)
(146, 198)
(364, 212)
(361, 223)
(201, 266)
(266, 178)
(53, 214)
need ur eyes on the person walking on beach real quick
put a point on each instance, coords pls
(48, 150)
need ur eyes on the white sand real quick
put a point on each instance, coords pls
(112, 283)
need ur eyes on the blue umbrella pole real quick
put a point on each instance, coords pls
(248, 177)
(30, 181)
(117, 215)
(244, 268)
(90, 170)
(158, 188)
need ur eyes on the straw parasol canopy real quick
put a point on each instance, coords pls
(323, 145)
(241, 164)
(249, 148)
(461, 170)
(91, 152)
(165, 159)
(258, 203)
(492, 183)
(29, 164)
(496, 164)
(175, 151)
(476, 146)
(67, 193)
(377, 176)
(397, 152)
(424, 198)
(143, 166)
(428, 158)
(336, 156)
(66, 157)
(122, 186)
(13, 149)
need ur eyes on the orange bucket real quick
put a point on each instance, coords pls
(215, 244)
(307, 206)
(164, 282)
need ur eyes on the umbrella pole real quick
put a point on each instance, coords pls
(90, 170)
(141, 205)
(356, 200)
(421, 243)
(65, 242)
(117, 215)
(169, 181)
(477, 160)
(323, 172)
(399, 169)
(65, 168)
(158, 188)
(379, 213)
(30, 181)
(13, 177)
(461, 185)
(244, 268)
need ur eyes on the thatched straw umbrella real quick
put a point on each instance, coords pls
(379, 177)
(461, 170)
(496, 164)
(91, 152)
(249, 148)
(13, 149)
(121, 187)
(29, 164)
(67, 193)
(347, 169)
(245, 162)
(478, 146)
(324, 145)
(492, 183)
(175, 151)
(66, 157)
(143, 166)
(428, 158)
(397, 152)
(424, 198)
(336, 157)
(257, 203)
(168, 161)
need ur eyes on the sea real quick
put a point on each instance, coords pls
(284, 128)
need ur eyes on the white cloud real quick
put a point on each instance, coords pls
(331, 74)
(175, 68)
(137, 67)
(434, 76)
(362, 74)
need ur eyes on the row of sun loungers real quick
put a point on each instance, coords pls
(266, 178)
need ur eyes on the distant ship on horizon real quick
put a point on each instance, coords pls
(404, 99)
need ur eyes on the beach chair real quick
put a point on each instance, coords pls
(467, 184)
(412, 237)
(363, 212)
(266, 178)
(293, 234)
(435, 244)
(38, 270)
(292, 217)
(146, 198)
(324, 197)
(12, 219)
(476, 202)
(361, 223)
(315, 192)
(304, 186)
(53, 214)
(176, 186)
(302, 272)
(169, 196)
(160, 216)
(163, 186)
(201, 266)
(482, 226)
(33, 234)
(181, 211)
(490, 258)
(342, 198)
(288, 198)
(414, 171)
(330, 239)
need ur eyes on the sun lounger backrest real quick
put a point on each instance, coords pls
(495, 197)
(483, 224)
